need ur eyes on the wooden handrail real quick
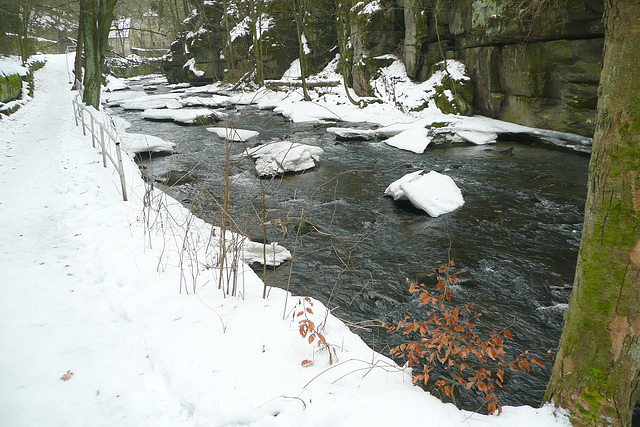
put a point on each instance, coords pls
(101, 134)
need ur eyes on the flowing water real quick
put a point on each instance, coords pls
(516, 237)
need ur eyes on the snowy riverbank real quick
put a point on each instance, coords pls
(96, 331)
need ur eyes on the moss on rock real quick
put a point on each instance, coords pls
(10, 87)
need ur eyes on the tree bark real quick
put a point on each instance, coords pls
(596, 369)
(98, 17)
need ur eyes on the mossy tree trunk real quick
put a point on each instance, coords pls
(596, 370)
(98, 17)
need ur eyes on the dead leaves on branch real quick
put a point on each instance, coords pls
(309, 330)
(447, 338)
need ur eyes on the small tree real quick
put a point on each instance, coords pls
(448, 338)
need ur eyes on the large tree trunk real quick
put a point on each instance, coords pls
(595, 374)
(98, 17)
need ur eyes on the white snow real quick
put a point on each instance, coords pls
(232, 134)
(434, 193)
(477, 137)
(207, 101)
(371, 8)
(114, 99)
(350, 133)
(97, 327)
(241, 29)
(185, 116)
(415, 139)
(11, 65)
(294, 72)
(191, 66)
(170, 101)
(141, 143)
(281, 157)
(115, 84)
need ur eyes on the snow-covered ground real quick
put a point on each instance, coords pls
(99, 325)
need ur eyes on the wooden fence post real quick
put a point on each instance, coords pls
(93, 132)
(104, 154)
(121, 172)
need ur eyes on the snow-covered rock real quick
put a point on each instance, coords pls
(114, 99)
(434, 193)
(280, 157)
(115, 84)
(352, 134)
(152, 102)
(255, 252)
(477, 137)
(305, 111)
(207, 101)
(414, 139)
(231, 134)
(140, 143)
(186, 116)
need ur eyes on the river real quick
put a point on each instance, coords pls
(516, 237)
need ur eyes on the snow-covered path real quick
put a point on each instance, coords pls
(62, 264)
(95, 332)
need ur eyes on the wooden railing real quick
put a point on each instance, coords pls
(101, 134)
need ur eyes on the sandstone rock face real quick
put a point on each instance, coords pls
(540, 71)
(537, 68)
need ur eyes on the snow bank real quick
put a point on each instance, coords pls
(434, 193)
(281, 157)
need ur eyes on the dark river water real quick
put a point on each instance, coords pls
(516, 237)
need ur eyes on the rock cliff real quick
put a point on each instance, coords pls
(534, 62)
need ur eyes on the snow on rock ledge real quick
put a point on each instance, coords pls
(281, 157)
(434, 193)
